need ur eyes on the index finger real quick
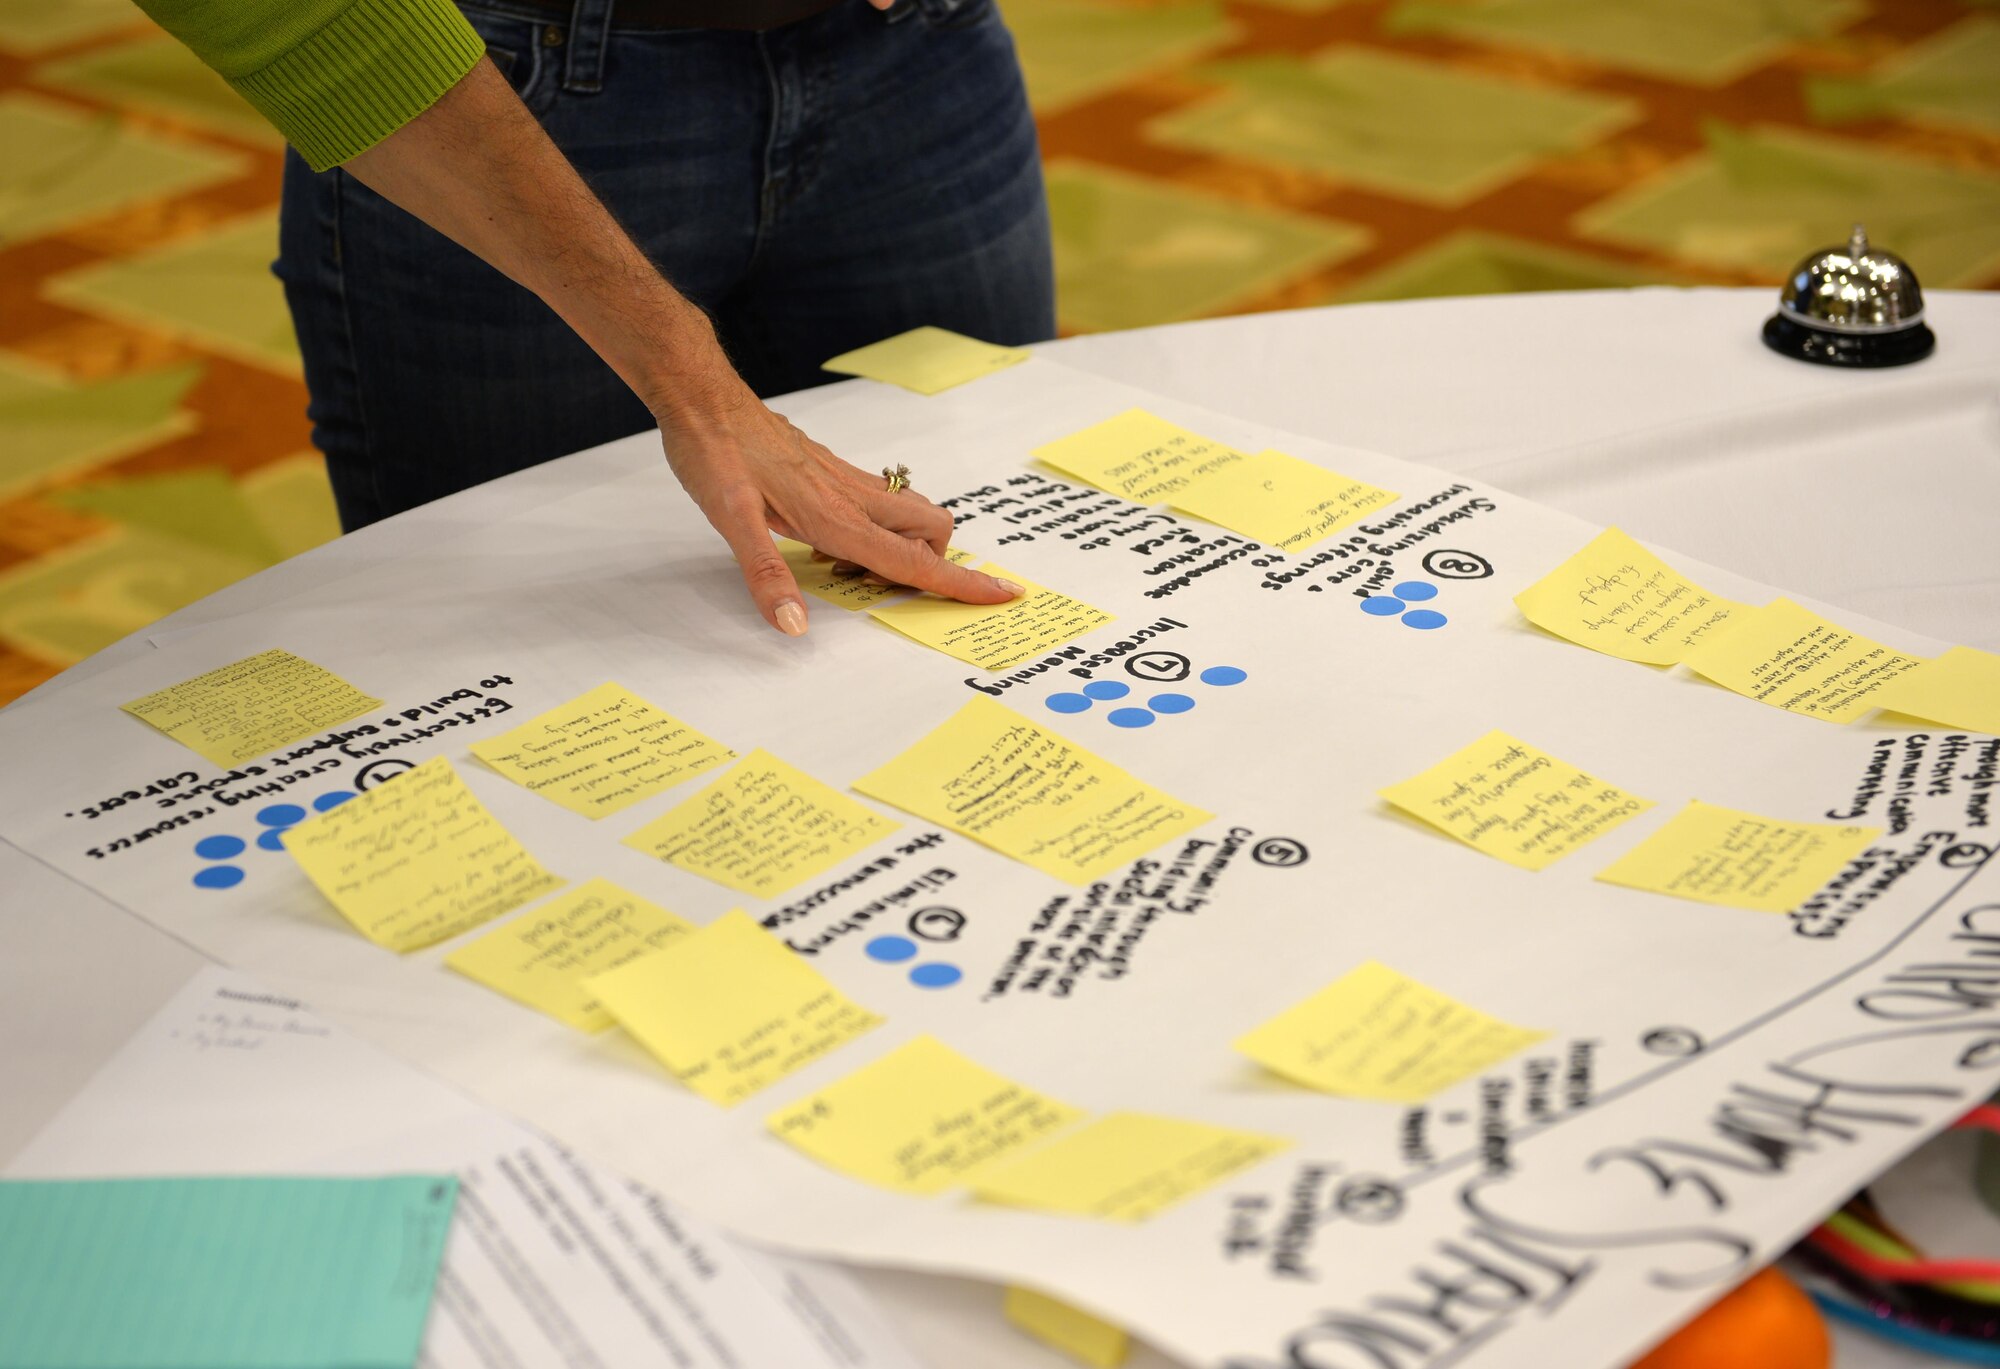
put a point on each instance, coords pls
(908, 561)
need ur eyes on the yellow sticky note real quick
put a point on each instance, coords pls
(1126, 1166)
(849, 592)
(1084, 1338)
(251, 707)
(730, 1009)
(1280, 500)
(1374, 1033)
(1617, 597)
(1789, 657)
(761, 828)
(927, 360)
(993, 636)
(1139, 455)
(1959, 689)
(921, 1119)
(417, 860)
(992, 775)
(601, 752)
(1740, 860)
(543, 957)
(1514, 801)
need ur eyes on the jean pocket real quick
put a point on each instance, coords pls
(955, 14)
(516, 47)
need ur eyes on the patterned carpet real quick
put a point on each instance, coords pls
(1204, 157)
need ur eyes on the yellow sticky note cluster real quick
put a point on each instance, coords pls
(850, 592)
(1125, 1166)
(543, 957)
(927, 360)
(1084, 1338)
(1740, 860)
(761, 828)
(251, 707)
(1279, 500)
(1139, 456)
(1514, 801)
(1374, 1033)
(992, 775)
(1959, 689)
(1270, 497)
(730, 1009)
(921, 1119)
(1617, 597)
(1789, 657)
(993, 636)
(601, 752)
(417, 860)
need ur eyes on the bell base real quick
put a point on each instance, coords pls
(1900, 348)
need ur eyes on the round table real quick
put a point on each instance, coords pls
(1657, 410)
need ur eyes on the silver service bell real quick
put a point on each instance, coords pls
(1851, 306)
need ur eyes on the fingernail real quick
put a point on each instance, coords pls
(1016, 590)
(792, 619)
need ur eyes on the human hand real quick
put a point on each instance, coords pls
(751, 473)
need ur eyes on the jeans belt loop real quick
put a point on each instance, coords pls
(589, 35)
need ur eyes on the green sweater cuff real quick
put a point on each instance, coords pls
(359, 77)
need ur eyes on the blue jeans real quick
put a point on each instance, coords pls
(814, 188)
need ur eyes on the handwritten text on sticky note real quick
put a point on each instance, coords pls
(543, 957)
(1125, 1166)
(730, 1009)
(994, 636)
(416, 860)
(1138, 456)
(1280, 500)
(1028, 793)
(1789, 657)
(251, 707)
(601, 752)
(1511, 800)
(1374, 1033)
(761, 828)
(921, 1119)
(1740, 860)
(1617, 597)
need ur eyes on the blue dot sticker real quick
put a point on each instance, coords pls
(273, 840)
(281, 815)
(1416, 591)
(1131, 717)
(1170, 703)
(1224, 675)
(938, 976)
(332, 800)
(219, 848)
(1423, 619)
(1107, 689)
(218, 877)
(891, 949)
(1068, 703)
(1383, 605)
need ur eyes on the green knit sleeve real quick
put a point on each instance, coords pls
(335, 76)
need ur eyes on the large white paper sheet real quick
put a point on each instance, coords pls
(549, 1262)
(1712, 1079)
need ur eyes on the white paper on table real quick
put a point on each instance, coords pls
(1668, 1010)
(551, 1261)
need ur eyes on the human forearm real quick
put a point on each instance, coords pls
(479, 169)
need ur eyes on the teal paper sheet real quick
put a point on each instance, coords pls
(219, 1273)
